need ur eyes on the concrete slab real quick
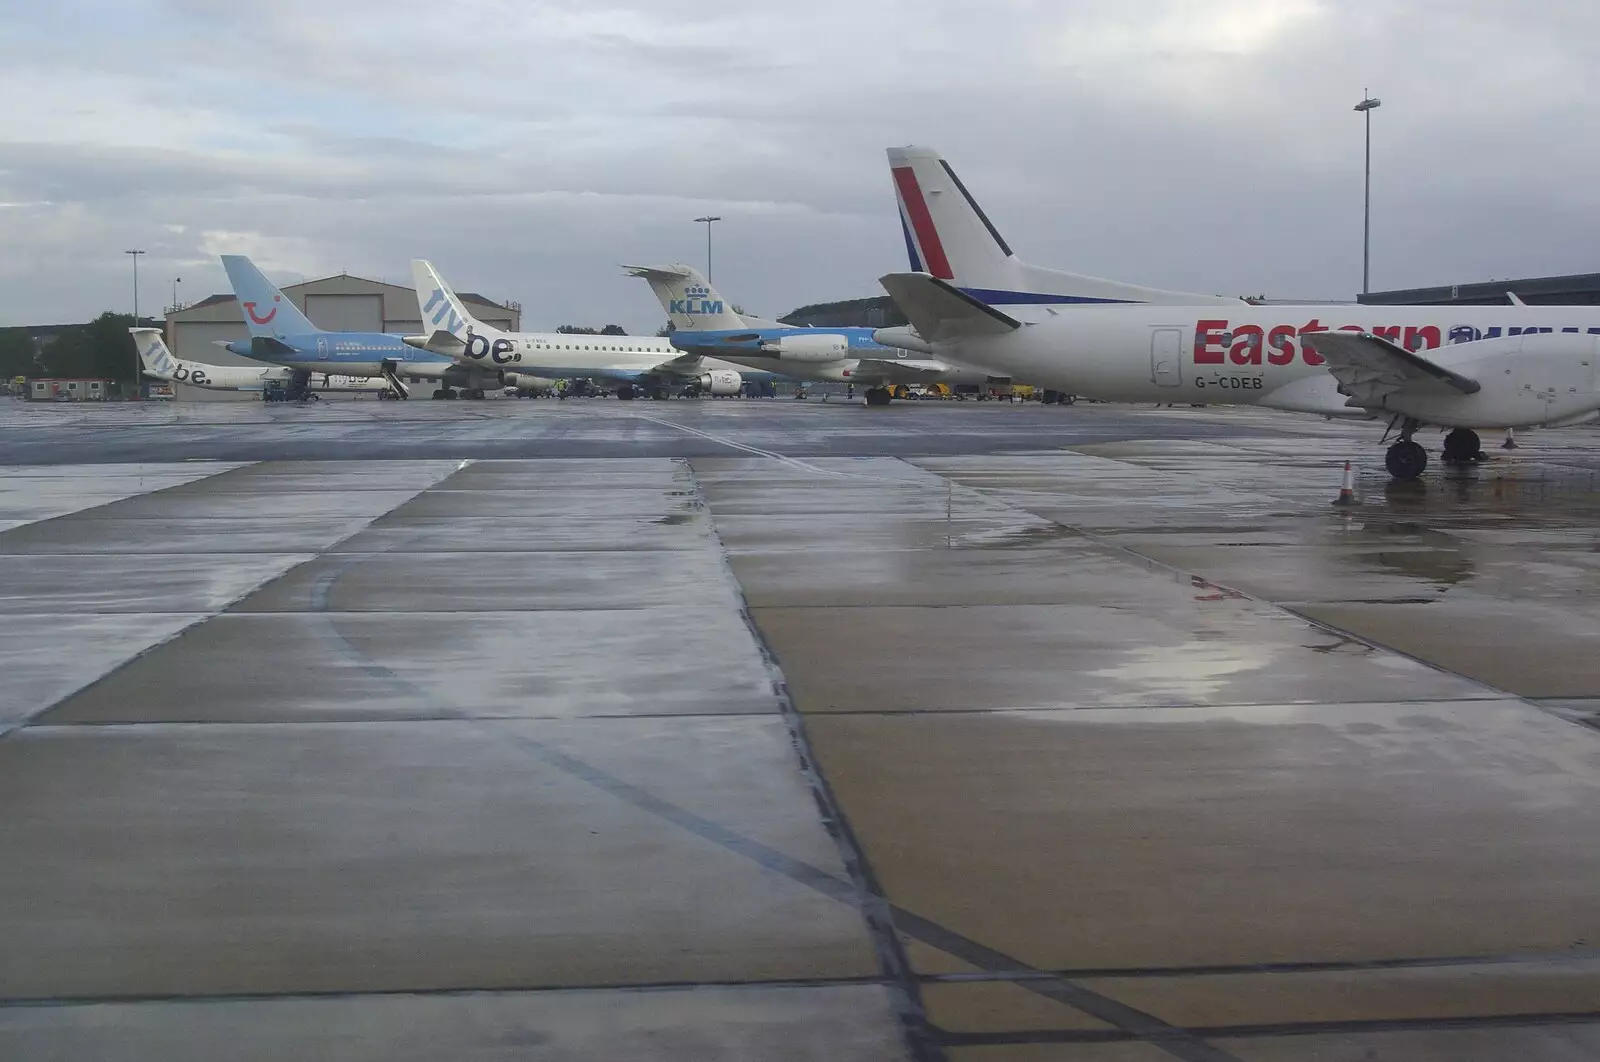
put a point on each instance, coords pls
(163, 538)
(823, 1024)
(1557, 987)
(1181, 645)
(1531, 649)
(1563, 1042)
(46, 658)
(203, 860)
(574, 503)
(103, 583)
(1061, 1053)
(407, 665)
(1232, 835)
(516, 534)
(492, 582)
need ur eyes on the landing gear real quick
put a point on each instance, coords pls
(1462, 447)
(659, 393)
(475, 394)
(625, 392)
(877, 396)
(1406, 459)
(445, 393)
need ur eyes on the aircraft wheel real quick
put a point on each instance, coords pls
(625, 392)
(1406, 459)
(450, 394)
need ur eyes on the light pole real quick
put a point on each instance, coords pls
(1367, 105)
(175, 282)
(708, 221)
(137, 367)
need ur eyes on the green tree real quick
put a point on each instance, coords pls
(574, 330)
(613, 330)
(101, 349)
(16, 354)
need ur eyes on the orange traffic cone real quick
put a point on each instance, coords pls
(1347, 491)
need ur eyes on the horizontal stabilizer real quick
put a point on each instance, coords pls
(439, 341)
(940, 311)
(1370, 368)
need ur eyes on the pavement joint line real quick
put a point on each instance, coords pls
(1424, 962)
(641, 987)
(899, 977)
(1284, 1030)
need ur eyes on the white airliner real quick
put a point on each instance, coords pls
(160, 364)
(706, 325)
(649, 362)
(1460, 367)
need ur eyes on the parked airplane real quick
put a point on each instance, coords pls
(160, 364)
(704, 324)
(282, 335)
(629, 362)
(1460, 367)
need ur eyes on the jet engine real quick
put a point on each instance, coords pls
(472, 378)
(720, 383)
(904, 338)
(809, 347)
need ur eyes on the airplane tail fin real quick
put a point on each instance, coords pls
(154, 356)
(942, 312)
(691, 303)
(267, 311)
(442, 309)
(950, 237)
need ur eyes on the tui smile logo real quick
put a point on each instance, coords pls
(250, 309)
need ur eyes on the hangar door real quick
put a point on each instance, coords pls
(346, 313)
(196, 341)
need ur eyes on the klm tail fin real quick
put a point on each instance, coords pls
(157, 360)
(442, 310)
(267, 311)
(950, 237)
(691, 303)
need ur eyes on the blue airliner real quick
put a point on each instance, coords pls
(281, 335)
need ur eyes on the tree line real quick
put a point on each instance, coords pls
(101, 349)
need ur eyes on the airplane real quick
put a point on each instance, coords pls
(160, 364)
(705, 325)
(282, 335)
(628, 362)
(1457, 367)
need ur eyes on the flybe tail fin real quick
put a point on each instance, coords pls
(157, 360)
(267, 311)
(691, 303)
(442, 309)
(950, 237)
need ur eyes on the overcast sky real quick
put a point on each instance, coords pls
(530, 147)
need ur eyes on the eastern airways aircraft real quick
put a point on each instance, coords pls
(282, 335)
(1459, 367)
(629, 362)
(160, 364)
(706, 325)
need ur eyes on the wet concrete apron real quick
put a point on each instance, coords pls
(1102, 754)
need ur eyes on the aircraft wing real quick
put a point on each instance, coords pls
(683, 365)
(1370, 368)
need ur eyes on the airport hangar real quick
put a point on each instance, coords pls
(339, 304)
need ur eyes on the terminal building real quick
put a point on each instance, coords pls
(1580, 289)
(338, 304)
